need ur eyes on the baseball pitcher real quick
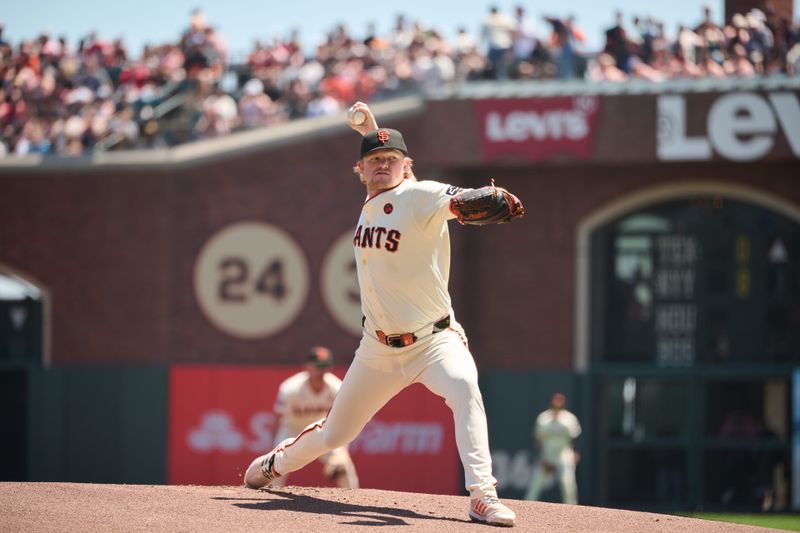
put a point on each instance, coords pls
(410, 334)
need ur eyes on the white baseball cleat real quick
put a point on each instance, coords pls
(489, 510)
(261, 472)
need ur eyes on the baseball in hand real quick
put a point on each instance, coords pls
(356, 117)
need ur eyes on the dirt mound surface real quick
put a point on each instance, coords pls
(34, 507)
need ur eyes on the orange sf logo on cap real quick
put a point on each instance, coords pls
(383, 136)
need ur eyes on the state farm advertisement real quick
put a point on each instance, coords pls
(221, 418)
(537, 129)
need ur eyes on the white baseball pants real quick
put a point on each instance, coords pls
(564, 473)
(442, 362)
(336, 461)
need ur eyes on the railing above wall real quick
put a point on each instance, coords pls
(542, 88)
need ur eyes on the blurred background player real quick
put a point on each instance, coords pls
(303, 399)
(554, 433)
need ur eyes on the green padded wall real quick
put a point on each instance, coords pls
(97, 424)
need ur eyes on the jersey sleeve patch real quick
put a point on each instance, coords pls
(432, 202)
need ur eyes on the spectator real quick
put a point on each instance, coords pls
(738, 64)
(33, 139)
(123, 128)
(641, 69)
(617, 43)
(688, 42)
(604, 68)
(324, 103)
(73, 131)
(644, 38)
(220, 114)
(114, 96)
(525, 39)
(464, 43)
(497, 33)
(762, 41)
(431, 70)
(707, 66)
(3, 43)
(562, 41)
(94, 77)
(297, 99)
(402, 34)
(712, 35)
(255, 107)
(793, 59)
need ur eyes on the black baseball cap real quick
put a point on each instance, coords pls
(320, 356)
(381, 139)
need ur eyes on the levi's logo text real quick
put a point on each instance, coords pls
(538, 128)
(377, 237)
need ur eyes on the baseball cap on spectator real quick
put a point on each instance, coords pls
(753, 20)
(253, 87)
(80, 95)
(104, 91)
(381, 139)
(320, 357)
(74, 127)
(757, 14)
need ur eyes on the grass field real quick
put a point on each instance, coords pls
(787, 522)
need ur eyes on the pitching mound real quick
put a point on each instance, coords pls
(35, 507)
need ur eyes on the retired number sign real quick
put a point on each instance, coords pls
(251, 279)
(339, 285)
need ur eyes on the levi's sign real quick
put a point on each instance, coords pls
(738, 126)
(537, 128)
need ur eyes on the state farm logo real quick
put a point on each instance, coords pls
(217, 432)
(538, 128)
(404, 438)
(564, 122)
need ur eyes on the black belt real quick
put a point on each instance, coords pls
(399, 340)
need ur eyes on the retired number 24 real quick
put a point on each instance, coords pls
(236, 284)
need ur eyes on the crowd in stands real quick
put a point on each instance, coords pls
(96, 96)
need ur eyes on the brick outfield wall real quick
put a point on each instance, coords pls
(784, 8)
(116, 247)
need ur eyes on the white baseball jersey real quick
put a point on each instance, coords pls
(398, 230)
(556, 435)
(298, 405)
(402, 250)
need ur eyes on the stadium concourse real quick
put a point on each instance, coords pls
(66, 99)
(34, 507)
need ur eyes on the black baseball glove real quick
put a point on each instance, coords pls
(487, 205)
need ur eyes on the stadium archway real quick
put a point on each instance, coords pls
(687, 313)
(23, 319)
(23, 346)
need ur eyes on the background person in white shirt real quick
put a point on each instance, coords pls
(303, 399)
(555, 432)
